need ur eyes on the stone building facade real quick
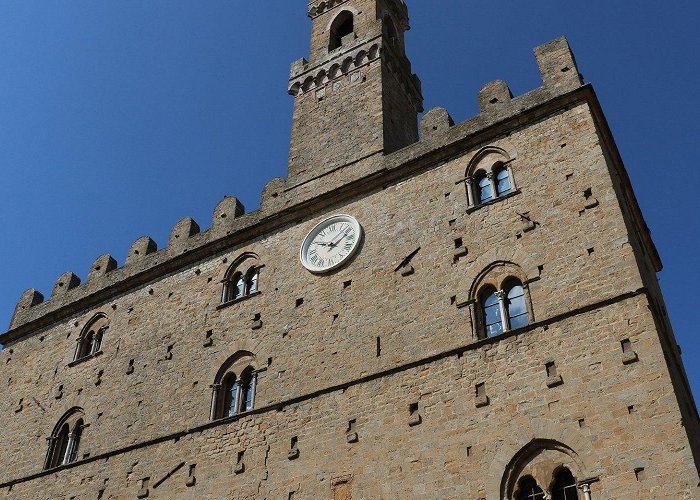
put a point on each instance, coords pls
(498, 332)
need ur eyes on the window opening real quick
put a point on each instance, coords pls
(517, 309)
(530, 490)
(75, 442)
(564, 486)
(492, 314)
(247, 392)
(252, 280)
(502, 181)
(230, 389)
(233, 391)
(64, 443)
(342, 27)
(239, 283)
(485, 191)
(239, 287)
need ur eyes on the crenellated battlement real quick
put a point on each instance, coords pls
(283, 200)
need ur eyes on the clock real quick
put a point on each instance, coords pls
(330, 244)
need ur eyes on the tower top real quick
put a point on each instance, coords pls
(355, 97)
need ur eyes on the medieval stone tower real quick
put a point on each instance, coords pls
(450, 311)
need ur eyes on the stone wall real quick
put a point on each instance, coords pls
(319, 333)
(375, 380)
(616, 417)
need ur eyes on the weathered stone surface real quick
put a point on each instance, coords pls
(399, 354)
(434, 122)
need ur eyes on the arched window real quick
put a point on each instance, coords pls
(241, 279)
(64, 442)
(234, 386)
(485, 188)
(343, 25)
(229, 387)
(515, 305)
(238, 286)
(251, 280)
(493, 322)
(90, 338)
(489, 176)
(502, 180)
(529, 490)
(564, 487)
(247, 390)
(505, 309)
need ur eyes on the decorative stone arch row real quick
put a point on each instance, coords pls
(358, 58)
(324, 6)
(539, 449)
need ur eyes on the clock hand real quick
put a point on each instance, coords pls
(336, 240)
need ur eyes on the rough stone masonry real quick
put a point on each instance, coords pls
(218, 367)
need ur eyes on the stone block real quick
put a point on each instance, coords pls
(494, 96)
(178, 242)
(67, 281)
(140, 248)
(102, 265)
(558, 66)
(435, 122)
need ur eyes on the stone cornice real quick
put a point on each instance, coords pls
(304, 78)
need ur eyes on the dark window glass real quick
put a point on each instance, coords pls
(529, 490)
(247, 391)
(75, 443)
(61, 446)
(502, 181)
(98, 341)
(564, 486)
(485, 191)
(492, 314)
(517, 309)
(229, 400)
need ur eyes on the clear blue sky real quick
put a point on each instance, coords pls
(119, 118)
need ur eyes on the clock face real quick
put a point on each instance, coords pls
(330, 244)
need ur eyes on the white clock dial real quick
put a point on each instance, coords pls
(330, 244)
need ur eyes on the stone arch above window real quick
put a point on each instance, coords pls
(242, 279)
(489, 176)
(343, 25)
(233, 390)
(500, 300)
(543, 465)
(64, 442)
(91, 337)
